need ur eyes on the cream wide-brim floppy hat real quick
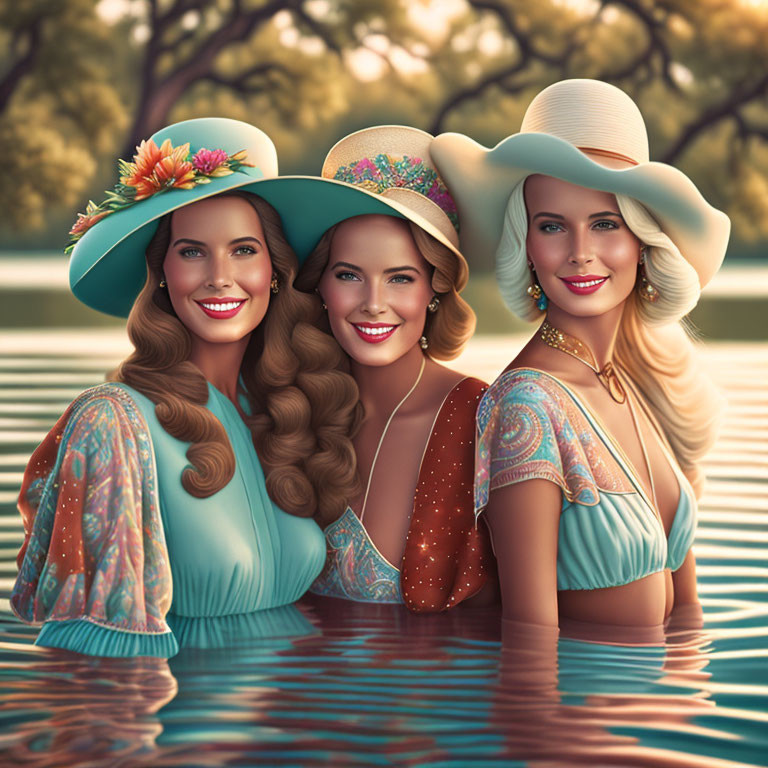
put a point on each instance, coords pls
(588, 133)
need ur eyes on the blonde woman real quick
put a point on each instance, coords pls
(590, 441)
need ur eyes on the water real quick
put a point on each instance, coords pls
(372, 685)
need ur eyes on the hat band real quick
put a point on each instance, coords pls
(384, 172)
(608, 153)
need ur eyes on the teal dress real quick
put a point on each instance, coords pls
(119, 560)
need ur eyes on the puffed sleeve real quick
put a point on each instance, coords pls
(94, 565)
(525, 432)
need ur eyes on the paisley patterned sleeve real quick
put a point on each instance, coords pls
(525, 432)
(94, 565)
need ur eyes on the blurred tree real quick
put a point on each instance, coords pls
(81, 80)
(697, 68)
(57, 107)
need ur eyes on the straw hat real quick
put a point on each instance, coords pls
(386, 170)
(589, 133)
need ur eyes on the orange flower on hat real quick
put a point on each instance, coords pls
(156, 168)
(86, 220)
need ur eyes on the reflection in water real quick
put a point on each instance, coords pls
(66, 708)
(353, 684)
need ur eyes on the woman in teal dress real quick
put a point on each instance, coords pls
(174, 503)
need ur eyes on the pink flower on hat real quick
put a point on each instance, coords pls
(208, 160)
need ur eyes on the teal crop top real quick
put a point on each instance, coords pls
(531, 425)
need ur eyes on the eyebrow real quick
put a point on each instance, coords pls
(190, 241)
(348, 265)
(548, 215)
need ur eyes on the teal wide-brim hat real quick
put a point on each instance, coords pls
(588, 133)
(107, 268)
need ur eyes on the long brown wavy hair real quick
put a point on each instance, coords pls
(446, 330)
(302, 401)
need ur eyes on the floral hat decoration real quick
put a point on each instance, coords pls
(178, 165)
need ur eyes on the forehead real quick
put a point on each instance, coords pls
(217, 218)
(546, 193)
(375, 242)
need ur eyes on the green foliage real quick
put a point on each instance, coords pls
(78, 88)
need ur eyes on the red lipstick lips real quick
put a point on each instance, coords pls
(584, 284)
(220, 308)
(374, 333)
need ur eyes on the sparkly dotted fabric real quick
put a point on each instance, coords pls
(447, 556)
(94, 546)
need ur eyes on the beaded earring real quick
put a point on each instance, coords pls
(535, 291)
(274, 285)
(647, 291)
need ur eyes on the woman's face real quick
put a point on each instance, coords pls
(376, 286)
(584, 255)
(218, 269)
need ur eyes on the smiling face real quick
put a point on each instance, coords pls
(584, 255)
(376, 286)
(218, 269)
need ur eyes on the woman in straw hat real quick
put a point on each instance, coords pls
(389, 272)
(149, 522)
(589, 443)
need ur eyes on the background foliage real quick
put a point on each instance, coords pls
(82, 82)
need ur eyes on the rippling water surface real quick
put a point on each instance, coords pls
(365, 685)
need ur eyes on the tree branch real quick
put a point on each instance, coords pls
(726, 109)
(22, 66)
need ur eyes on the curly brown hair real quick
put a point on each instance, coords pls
(302, 401)
(448, 329)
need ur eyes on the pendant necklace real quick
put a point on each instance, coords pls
(384, 433)
(574, 347)
(608, 377)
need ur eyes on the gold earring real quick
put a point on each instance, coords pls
(274, 285)
(163, 284)
(433, 305)
(424, 342)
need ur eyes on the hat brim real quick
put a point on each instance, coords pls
(107, 269)
(481, 180)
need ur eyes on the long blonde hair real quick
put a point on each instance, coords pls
(652, 345)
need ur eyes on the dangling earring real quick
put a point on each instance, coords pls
(424, 342)
(433, 305)
(648, 292)
(163, 284)
(274, 286)
(535, 291)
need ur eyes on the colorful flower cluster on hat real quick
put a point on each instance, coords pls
(154, 170)
(384, 172)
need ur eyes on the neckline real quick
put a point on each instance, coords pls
(418, 476)
(610, 442)
(351, 513)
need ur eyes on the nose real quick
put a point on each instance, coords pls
(373, 300)
(582, 251)
(219, 272)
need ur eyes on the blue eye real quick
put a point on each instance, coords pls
(606, 224)
(401, 279)
(346, 276)
(549, 227)
(191, 253)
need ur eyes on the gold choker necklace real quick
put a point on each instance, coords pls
(575, 348)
